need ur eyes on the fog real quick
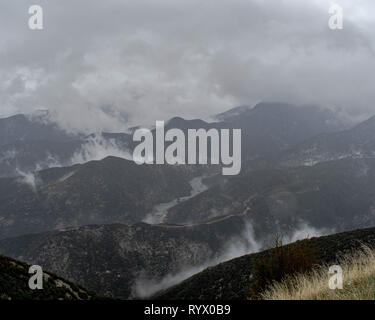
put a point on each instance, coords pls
(97, 148)
(238, 246)
(28, 178)
(101, 66)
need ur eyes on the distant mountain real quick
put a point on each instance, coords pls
(113, 190)
(25, 128)
(111, 258)
(33, 155)
(28, 155)
(244, 212)
(94, 208)
(336, 195)
(14, 278)
(357, 142)
(28, 143)
(270, 128)
(232, 113)
(33, 143)
(231, 280)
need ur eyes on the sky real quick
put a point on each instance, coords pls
(105, 65)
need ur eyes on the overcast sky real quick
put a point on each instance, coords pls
(97, 62)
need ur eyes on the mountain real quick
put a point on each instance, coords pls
(83, 221)
(29, 155)
(112, 190)
(32, 155)
(34, 142)
(14, 278)
(269, 128)
(336, 195)
(113, 259)
(29, 143)
(231, 280)
(232, 113)
(357, 142)
(24, 128)
(236, 217)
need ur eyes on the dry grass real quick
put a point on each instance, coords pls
(358, 281)
(281, 262)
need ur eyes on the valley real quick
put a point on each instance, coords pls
(127, 231)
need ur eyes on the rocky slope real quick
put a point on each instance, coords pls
(337, 195)
(356, 142)
(231, 279)
(266, 198)
(108, 191)
(109, 259)
(30, 143)
(14, 278)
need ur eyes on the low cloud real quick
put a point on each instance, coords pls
(239, 246)
(305, 231)
(29, 179)
(96, 147)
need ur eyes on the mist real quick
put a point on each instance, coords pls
(29, 179)
(244, 244)
(97, 148)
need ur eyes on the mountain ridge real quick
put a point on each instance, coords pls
(14, 278)
(231, 280)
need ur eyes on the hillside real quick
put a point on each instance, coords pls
(113, 190)
(30, 143)
(86, 221)
(358, 269)
(14, 279)
(109, 259)
(231, 280)
(356, 142)
(336, 195)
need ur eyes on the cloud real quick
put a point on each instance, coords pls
(28, 178)
(106, 65)
(97, 148)
(8, 155)
(244, 244)
(304, 231)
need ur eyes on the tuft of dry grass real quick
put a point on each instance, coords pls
(358, 281)
(281, 262)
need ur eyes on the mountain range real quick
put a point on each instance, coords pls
(77, 205)
(231, 280)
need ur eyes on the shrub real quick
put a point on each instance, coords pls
(358, 281)
(279, 263)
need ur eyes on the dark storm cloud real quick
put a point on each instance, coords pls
(97, 62)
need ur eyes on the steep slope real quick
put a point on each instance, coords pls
(108, 191)
(109, 259)
(28, 155)
(336, 195)
(34, 143)
(231, 279)
(14, 278)
(357, 142)
(270, 128)
(22, 128)
(32, 155)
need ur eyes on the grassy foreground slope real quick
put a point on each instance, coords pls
(358, 282)
(232, 279)
(14, 279)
